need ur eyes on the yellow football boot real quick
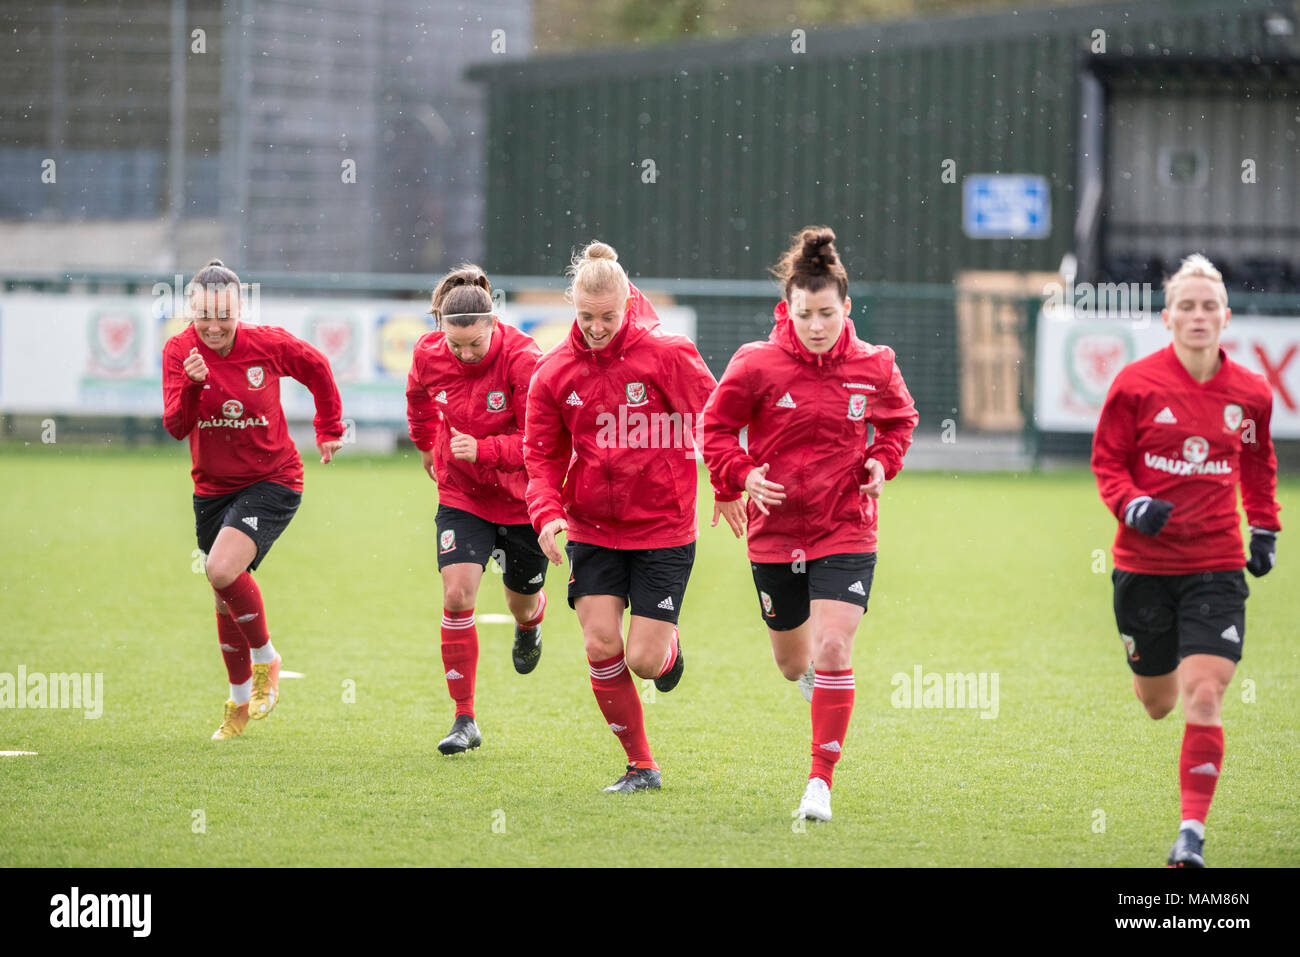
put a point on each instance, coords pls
(233, 722)
(266, 689)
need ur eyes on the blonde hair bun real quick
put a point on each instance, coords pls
(595, 272)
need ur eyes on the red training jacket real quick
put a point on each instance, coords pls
(487, 400)
(807, 416)
(609, 444)
(1164, 434)
(234, 419)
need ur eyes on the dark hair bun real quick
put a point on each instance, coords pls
(818, 252)
(214, 273)
(466, 274)
(465, 289)
(812, 263)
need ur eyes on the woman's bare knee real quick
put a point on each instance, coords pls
(1159, 708)
(643, 664)
(600, 646)
(222, 574)
(792, 668)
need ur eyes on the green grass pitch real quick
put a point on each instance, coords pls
(977, 573)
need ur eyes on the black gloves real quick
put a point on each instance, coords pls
(1148, 515)
(1263, 551)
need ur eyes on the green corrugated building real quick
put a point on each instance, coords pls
(750, 140)
(1137, 119)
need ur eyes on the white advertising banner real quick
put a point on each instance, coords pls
(101, 355)
(1079, 356)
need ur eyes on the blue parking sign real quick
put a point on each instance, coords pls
(1006, 206)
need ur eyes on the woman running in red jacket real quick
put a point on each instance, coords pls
(221, 387)
(610, 460)
(466, 397)
(1179, 431)
(807, 395)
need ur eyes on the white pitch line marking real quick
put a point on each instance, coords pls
(493, 619)
(14, 754)
(292, 674)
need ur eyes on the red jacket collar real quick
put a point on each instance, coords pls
(1177, 364)
(639, 321)
(783, 334)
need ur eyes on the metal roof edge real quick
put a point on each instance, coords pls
(832, 41)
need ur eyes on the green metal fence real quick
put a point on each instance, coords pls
(918, 321)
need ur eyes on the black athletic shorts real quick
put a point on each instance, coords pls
(262, 512)
(651, 580)
(785, 589)
(464, 537)
(1164, 618)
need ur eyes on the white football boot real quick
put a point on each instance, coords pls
(805, 683)
(816, 803)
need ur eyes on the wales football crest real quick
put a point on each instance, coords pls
(1195, 449)
(496, 401)
(256, 377)
(636, 394)
(857, 407)
(447, 540)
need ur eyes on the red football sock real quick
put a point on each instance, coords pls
(1198, 768)
(541, 613)
(244, 599)
(621, 705)
(832, 705)
(234, 648)
(672, 657)
(460, 657)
